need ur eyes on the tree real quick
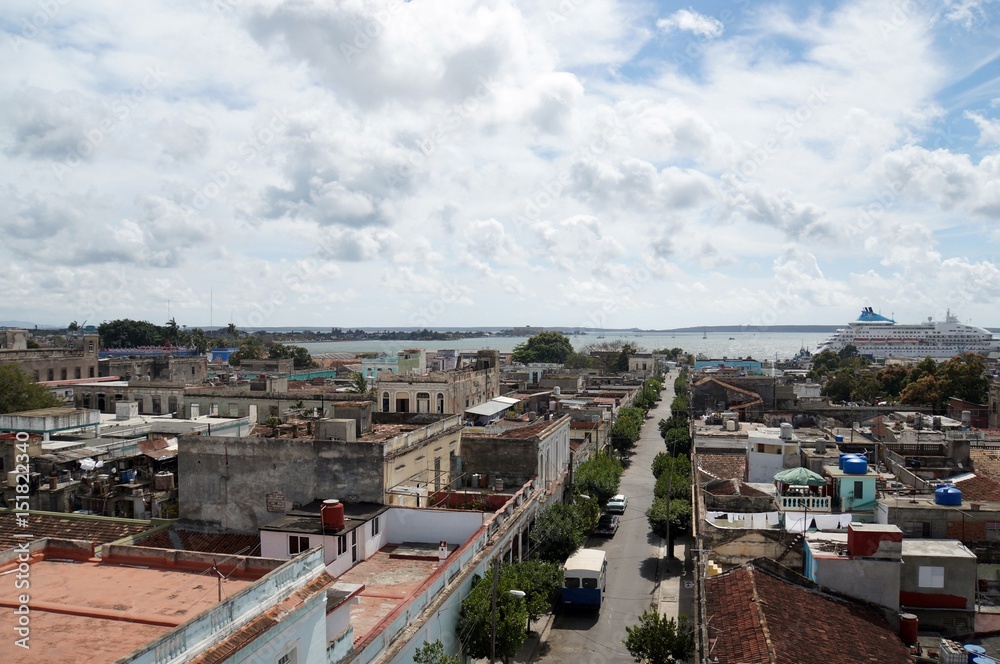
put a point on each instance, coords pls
(19, 392)
(657, 639)
(301, 359)
(579, 361)
(199, 340)
(558, 532)
(73, 327)
(171, 331)
(543, 347)
(867, 389)
(433, 653)
(621, 362)
(542, 584)
(128, 333)
(892, 378)
(964, 377)
(839, 387)
(232, 331)
(476, 617)
(250, 349)
(677, 512)
(824, 364)
(627, 428)
(926, 390)
(359, 383)
(599, 477)
(676, 474)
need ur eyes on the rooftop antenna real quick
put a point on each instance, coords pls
(210, 307)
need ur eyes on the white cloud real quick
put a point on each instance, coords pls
(396, 166)
(688, 20)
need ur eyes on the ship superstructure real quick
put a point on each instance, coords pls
(879, 337)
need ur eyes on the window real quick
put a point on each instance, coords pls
(590, 583)
(90, 347)
(931, 577)
(62, 374)
(342, 545)
(297, 544)
(52, 374)
(77, 372)
(440, 400)
(91, 372)
(423, 402)
(859, 490)
(374, 526)
(571, 582)
(385, 402)
(290, 657)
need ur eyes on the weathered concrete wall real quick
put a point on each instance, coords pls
(512, 460)
(871, 580)
(731, 548)
(241, 485)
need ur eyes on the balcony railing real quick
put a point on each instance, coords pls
(814, 503)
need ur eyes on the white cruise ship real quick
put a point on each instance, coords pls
(879, 337)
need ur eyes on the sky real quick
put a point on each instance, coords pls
(578, 163)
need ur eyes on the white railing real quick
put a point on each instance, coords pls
(816, 503)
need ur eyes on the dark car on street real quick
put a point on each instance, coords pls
(608, 525)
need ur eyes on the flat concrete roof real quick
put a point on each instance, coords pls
(102, 612)
(389, 582)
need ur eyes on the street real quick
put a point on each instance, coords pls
(633, 558)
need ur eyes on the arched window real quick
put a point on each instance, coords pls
(385, 402)
(440, 400)
(423, 402)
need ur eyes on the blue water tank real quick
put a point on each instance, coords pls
(947, 495)
(983, 660)
(838, 438)
(844, 457)
(856, 464)
(973, 651)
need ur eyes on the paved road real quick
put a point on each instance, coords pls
(633, 557)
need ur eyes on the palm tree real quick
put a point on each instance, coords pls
(172, 331)
(232, 331)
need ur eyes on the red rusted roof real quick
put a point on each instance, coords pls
(98, 530)
(240, 544)
(756, 617)
(158, 449)
(723, 466)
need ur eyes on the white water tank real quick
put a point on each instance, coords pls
(786, 431)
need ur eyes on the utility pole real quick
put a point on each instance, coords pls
(670, 546)
(493, 610)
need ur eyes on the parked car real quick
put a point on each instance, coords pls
(617, 504)
(608, 525)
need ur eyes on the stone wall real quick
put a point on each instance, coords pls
(248, 483)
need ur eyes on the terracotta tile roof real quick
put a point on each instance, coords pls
(525, 432)
(756, 617)
(732, 487)
(986, 462)
(722, 466)
(981, 487)
(241, 544)
(98, 530)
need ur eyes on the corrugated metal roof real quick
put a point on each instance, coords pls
(489, 408)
